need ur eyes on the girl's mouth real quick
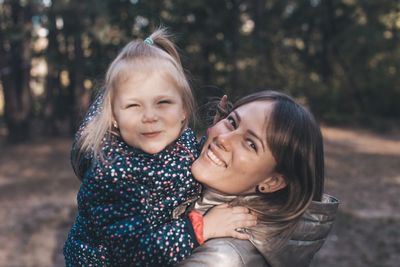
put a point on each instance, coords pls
(151, 134)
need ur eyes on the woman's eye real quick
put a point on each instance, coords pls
(252, 145)
(232, 122)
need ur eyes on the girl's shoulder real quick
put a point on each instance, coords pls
(187, 141)
(115, 155)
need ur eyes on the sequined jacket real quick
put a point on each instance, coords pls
(308, 237)
(125, 206)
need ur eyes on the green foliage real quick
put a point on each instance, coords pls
(342, 56)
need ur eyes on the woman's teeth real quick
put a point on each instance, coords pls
(215, 159)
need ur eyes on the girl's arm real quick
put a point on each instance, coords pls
(125, 223)
(134, 233)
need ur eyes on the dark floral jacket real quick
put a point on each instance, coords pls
(125, 205)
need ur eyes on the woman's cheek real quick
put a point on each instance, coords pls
(242, 159)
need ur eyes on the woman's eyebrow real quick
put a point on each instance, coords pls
(251, 132)
(237, 116)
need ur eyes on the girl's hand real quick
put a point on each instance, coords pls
(222, 221)
(221, 109)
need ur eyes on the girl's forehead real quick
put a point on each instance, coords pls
(146, 85)
(142, 69)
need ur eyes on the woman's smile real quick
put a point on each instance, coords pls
(214, 158)
(229, 163)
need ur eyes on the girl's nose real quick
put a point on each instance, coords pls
(149, 115)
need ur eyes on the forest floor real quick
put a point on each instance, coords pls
(38, 191)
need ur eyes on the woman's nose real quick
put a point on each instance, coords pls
(225, 140)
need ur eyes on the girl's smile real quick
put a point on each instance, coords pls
(152, 134)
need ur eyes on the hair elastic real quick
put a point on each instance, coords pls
(148, 41)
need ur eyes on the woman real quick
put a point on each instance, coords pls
(267, 155)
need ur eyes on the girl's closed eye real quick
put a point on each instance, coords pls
(132, 105)
(165, 102)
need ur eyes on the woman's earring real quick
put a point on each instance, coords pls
(260, 189)
(115, 125)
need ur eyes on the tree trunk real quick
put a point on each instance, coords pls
(235, 24)
(78, 91)
(16, 65)
(80, 99)
(52, 79)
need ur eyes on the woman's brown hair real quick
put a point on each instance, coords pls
(295, 141)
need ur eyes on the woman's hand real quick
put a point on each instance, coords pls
(222, 221)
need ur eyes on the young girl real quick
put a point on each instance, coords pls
(134, 157)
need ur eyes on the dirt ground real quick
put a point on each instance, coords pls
(38, 191)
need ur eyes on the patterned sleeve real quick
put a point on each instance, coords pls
(128, 224)
(80, 163)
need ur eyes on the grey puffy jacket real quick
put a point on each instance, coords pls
(308, 237)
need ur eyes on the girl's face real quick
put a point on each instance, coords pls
(236, 157)
(148, 111)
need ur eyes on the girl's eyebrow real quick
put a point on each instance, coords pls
(163, 96)
(251, 132)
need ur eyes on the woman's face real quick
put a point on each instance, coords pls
(236, 157)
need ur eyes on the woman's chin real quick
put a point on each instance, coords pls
(196, 171)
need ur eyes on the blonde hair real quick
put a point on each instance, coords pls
(137, 56)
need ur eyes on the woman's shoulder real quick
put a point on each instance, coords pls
(225, 252)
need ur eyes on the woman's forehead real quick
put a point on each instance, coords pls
(257, 113)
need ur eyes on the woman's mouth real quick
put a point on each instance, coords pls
(215, 159)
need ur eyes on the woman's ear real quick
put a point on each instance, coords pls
(272, 184)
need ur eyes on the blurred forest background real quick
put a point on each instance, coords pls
(341, 58)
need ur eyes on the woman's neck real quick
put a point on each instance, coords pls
(210, 198)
